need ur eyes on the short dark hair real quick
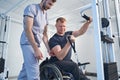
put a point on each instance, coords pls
(52, 0)
(61, 19)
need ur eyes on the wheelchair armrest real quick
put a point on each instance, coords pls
(44, 62)
(81, 64)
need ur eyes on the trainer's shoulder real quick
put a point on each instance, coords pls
(32, 6)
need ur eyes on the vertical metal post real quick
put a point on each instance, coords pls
(97, 36)
(4, 75)
(117, 8)
(109, 31)
(6, 47)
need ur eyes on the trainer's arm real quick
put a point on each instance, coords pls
(28, 29)
(45, 38)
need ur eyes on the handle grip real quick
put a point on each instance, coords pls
(86, 17)
(72, 44)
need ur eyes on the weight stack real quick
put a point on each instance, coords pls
(110, 71)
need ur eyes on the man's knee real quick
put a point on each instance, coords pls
(74, 65)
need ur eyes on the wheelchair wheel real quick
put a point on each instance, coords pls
(50, 72)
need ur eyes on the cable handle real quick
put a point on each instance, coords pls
(71, 43)
(86, 17)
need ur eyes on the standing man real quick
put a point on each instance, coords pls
(35, 30)
(61, 49)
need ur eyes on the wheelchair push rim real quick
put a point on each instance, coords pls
(50, 72)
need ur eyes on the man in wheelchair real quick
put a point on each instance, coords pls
(61, 48)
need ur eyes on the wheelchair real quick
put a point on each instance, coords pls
(50, 71)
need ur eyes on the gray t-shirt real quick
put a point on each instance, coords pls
(40, 20)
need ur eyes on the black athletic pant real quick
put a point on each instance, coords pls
(71, 67)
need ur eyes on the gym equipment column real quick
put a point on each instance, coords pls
(4, 35)
(97, 36)
(110, 66)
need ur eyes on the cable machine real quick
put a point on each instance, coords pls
(4, 35)
(105, 56)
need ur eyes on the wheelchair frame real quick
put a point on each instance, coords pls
(49, 71)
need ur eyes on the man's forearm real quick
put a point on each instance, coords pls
(31, 39)
(45, 40)
(64, 51)
(84, 28)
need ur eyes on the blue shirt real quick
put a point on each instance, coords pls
(40, 21)
(60, 40)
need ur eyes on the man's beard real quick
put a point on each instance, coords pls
(44, 6)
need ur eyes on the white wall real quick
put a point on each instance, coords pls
(14, 56)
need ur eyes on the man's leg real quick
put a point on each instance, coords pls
(31, 63)
(22, 75)
(72, 67)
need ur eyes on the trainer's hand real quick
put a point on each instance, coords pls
(38, 54)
